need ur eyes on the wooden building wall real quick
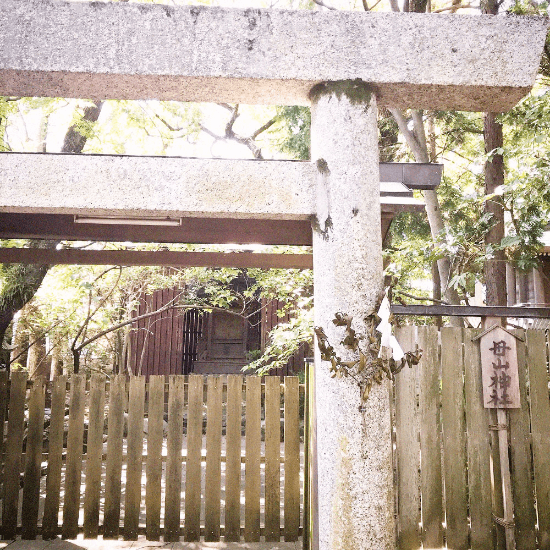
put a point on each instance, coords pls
(188, 341)
(156, 344)
(270, 319)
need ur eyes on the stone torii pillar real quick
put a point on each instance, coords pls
(355, 474)
(195, 53)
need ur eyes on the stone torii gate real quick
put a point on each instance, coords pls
(343, 64)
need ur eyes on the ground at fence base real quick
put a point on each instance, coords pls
(141, 544)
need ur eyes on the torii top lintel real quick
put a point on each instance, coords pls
(102, 50)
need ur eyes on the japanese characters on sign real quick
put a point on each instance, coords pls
(499, 366)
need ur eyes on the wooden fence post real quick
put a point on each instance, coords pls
(292, 459)
(155, 420)
(193, 464)
(55, 458)
(252, 465)
(31, 479)
(113, 468)
(94, 445)
(174, 460)
(233, 458)
(136, 409)
(73, 470)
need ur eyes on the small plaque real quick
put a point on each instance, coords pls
(499, 365)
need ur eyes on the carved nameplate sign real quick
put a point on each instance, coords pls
(499, 365)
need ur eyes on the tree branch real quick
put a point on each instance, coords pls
(417, 144)
(454, 7)
(210, 133)
(168, 306)
(168, 125)
(90, 315)
(374, 5)
(322, 4)
(419, 132)
(263, 128)
(230, 134)
(36, 340)
(420, 298)
(420, 154)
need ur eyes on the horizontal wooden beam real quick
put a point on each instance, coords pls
(191, 230)
(472, 311)
(73, 256)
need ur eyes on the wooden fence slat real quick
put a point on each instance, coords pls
(430, 439)
(313, 512)
(3, 412)
(522, 486)
(55, 458)
(193, 464)
(174, 459)
(540, 429)
(155, 419)
(212, 489)
(272, 459)
(73, 470)
(173, 335)
(14, 446)
(308, 517)
(31, 479)
(497, 495)
(113, 468)
(292, 458)
(157, 334)
(115, 439)
(149, 338)
(478, 419)
(132, 503)
(252, 461)
(408, 450)
(233, 459)
(454, 444)
(94, 451)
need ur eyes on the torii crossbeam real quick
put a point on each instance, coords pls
(343, 63)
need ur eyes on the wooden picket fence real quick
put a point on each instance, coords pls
(144, 474)
(446, 450)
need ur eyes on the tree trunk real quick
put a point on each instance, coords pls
(76, 361)
(19, 340)
(23, 280)
(436, 293)
(37, 363)
(495, 267)
(416, 140)
(57, 357)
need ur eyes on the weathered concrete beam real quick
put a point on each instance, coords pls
(195, 53)
(156, 186)
(178, 187)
